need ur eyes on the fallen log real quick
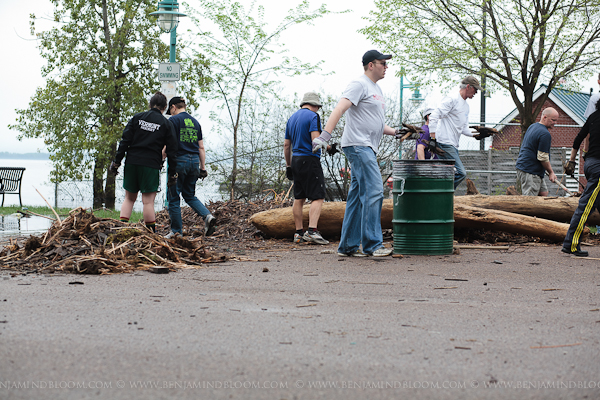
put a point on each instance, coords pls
(502, 221)
(279, 223)
(559, 209)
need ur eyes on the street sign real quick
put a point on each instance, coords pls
(169, 71)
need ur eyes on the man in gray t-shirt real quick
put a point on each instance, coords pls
(365, 126)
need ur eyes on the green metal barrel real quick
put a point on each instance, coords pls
(423, 196)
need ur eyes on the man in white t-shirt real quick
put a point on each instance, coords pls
(449, 121)
(365, 126)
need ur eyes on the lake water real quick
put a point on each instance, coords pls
(79, 194)
(16, 224)
(36, 175)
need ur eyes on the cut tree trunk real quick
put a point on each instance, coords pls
(279, 223)
(559, 209)
(502, 221)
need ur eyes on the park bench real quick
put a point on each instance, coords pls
(10, 182)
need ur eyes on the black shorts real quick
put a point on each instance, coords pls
(309, 182)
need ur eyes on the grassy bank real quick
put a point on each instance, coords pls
(104, 213)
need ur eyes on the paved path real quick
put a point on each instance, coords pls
(484, 324)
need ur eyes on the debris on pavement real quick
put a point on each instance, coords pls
(85, 244)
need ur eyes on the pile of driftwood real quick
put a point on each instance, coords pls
(85, 244)
(233, 225)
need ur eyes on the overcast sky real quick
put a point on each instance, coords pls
(333, 39)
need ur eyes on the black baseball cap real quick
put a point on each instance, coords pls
(373, 55)
(173, 101)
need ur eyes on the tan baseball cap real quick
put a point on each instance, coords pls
(471, 80)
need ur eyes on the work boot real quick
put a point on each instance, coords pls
(210, 224)
(578, 252)
(314, 237)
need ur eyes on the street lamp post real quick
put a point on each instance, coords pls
(168, 18)
(416, 99)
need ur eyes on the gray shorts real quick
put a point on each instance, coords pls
(531, 185)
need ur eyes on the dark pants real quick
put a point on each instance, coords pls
(588, 202)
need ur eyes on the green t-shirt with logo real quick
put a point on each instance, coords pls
(188, 132)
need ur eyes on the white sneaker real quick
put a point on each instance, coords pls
(170, 235)
(210, 224)
(314, 237)
(382, 252)
(357, 253)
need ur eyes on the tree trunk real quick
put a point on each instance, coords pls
(502, 221)
(98, 185)
(110, 188)
(559, 209)
(279, 222)
(528, 215)
(109, 192)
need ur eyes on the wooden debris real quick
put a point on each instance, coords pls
(496, 220)
(471, 189)
(521, 215)
(555, 346)
(559, 209)
(233, 224)
(512, 191)
(85, 244)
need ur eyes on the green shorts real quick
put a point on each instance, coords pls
(140, 179)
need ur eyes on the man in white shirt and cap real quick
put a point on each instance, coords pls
(450, 120)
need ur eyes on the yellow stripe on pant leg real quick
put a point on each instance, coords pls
(584, 217)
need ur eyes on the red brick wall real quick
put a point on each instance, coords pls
(561, 136)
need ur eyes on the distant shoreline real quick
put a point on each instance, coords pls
(24, 156)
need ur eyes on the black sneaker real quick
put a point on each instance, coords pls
(210, 224)
(578, 253)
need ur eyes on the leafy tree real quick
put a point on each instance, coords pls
(100, 71)
(260, 165)
(245, 60)
(514, 44)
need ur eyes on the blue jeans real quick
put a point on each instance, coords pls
(452, 154)
(188, 168)
(362, 219)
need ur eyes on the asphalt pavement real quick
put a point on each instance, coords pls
(522, 323)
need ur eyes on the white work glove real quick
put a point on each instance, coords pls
(321, 141)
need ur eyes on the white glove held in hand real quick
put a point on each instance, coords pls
(321, 141)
